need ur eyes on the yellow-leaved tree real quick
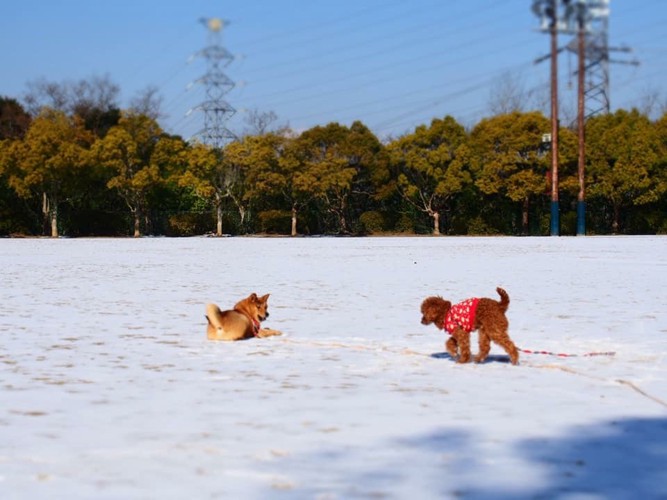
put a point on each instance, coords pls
(625, 161)
(210, 176)
(46, 161)
(430, 165)
(508, 158)
(127, 151)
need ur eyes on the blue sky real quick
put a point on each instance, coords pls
(393, 64)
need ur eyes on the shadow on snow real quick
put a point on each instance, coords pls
(492, 358)
(614, 459)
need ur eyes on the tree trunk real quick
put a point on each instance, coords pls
(137, 224)
(524, 215)
(50, 210)
(54, 221)
(148, 229)
(436, 224)
(239, 206)
(242, 215)
(137, 213)
(341, 217)
(45, 212)
(616, 224)
(294, 233)
(218, 214)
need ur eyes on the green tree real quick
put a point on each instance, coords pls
(282, 170)
(431, 166)
(170, 157)
(127, 151)
(269, 175)
(240, 159)
(210, 177)
(340, 160)
(294, 178)
(507, 158)
(45, 163)
(660, 176)
(367, 156)
(14, 215)
(623, 155)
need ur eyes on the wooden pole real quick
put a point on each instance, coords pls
(555, 212)
(581, 125)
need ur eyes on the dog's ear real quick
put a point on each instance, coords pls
(253, 297)
(264, 298)
(434, 303)
(426, 304)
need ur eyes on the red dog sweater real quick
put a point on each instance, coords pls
(461, 315)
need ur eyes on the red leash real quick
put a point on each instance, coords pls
(563, 355)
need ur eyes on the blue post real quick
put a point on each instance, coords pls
(555, 222)
(581, 218)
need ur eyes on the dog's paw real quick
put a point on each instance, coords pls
(268, 332)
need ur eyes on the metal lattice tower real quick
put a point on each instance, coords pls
(216, 110)
(593, 15)
(596, 90)
(589, 21)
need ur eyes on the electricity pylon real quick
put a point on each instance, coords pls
(216, 110)
(589, 20)
(592, 17)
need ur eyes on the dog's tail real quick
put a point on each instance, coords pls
(504, 299)
(212, 314)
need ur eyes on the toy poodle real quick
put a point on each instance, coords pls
(483, 314)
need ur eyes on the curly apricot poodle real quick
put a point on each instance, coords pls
(483, 314)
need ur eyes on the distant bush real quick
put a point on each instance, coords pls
(478, 227)
(275, 221)
(371, 222)
(405, 224)
(190, 224)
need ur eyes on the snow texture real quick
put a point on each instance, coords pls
(110, 390)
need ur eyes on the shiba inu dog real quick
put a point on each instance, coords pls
(242, 322)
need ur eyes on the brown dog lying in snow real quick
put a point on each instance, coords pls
(485, 315)
(242, 322)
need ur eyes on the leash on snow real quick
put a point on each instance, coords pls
(565, 355)
(335, 344)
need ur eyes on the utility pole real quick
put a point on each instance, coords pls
(552, 11)
(588, 19)
(597, 52)
(581, 123)
(547, 11)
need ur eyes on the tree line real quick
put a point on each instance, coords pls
(91, 169)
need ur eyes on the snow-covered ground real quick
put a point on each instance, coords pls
(109, 388)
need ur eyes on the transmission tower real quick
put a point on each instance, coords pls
(593, 15)
(216, 110)
(597, 54)
(589, 20)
